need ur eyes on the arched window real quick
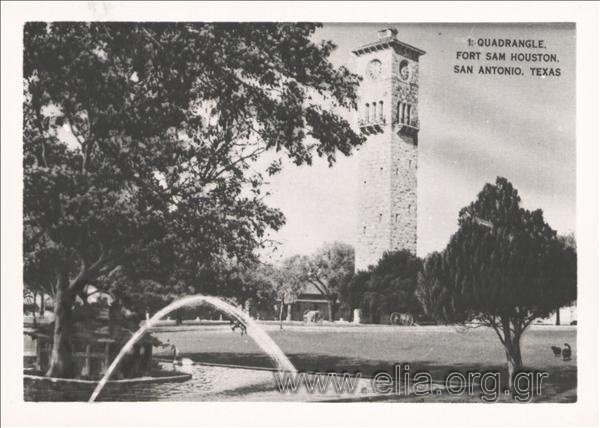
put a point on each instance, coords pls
(403, 113)
(408, 114)
(396, 218)
(380, 116)
(373, 112)
(366, 112)
(399, 112)
(380, 217)
(364, 230)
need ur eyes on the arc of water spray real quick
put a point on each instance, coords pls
(253, 330)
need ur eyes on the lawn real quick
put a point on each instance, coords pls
(370, 349)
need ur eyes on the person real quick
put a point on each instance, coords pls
(175, 354)
(235, 324)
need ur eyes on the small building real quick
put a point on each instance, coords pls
(308, 299)
(95, 341)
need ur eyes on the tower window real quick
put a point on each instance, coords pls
(381, 170)
(380, 217)
(364, 230)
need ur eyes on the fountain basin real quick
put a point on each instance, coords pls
(43, 388)
(208, 382)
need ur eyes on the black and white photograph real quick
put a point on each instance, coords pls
(299, 211)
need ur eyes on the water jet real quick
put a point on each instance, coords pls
(253, 330)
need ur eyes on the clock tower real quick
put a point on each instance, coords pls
(388, 117)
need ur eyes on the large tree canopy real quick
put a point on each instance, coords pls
(503, 268)
(141, 142)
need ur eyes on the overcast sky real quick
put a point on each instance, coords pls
(473, 128)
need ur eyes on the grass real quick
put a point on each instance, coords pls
(368, 350)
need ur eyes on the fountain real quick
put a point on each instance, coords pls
(253, 330)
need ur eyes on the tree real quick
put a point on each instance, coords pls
(140, 148)
(260, 288)
(289, 282)
(253, 284)
(503, 268)
(386, 287)
(569, 241)
(330, 268)
(351, 293)
(241, 285)
(430, 292)
(327, 270)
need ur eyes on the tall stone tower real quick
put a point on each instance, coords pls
(388, 116)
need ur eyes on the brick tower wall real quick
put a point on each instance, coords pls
(404, 158)
(388, 162)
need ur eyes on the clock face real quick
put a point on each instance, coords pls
(404, 72)
(374, 69)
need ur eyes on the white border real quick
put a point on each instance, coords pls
(585, 412)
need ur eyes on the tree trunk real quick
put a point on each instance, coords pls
(42, 305)
(61, 360)
(34, 311)
(512, 348)
(514, 362)
(333, 306)
(281, 315)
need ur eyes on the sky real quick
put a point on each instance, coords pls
(473, 128)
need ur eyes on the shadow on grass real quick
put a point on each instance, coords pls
(559, 386)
